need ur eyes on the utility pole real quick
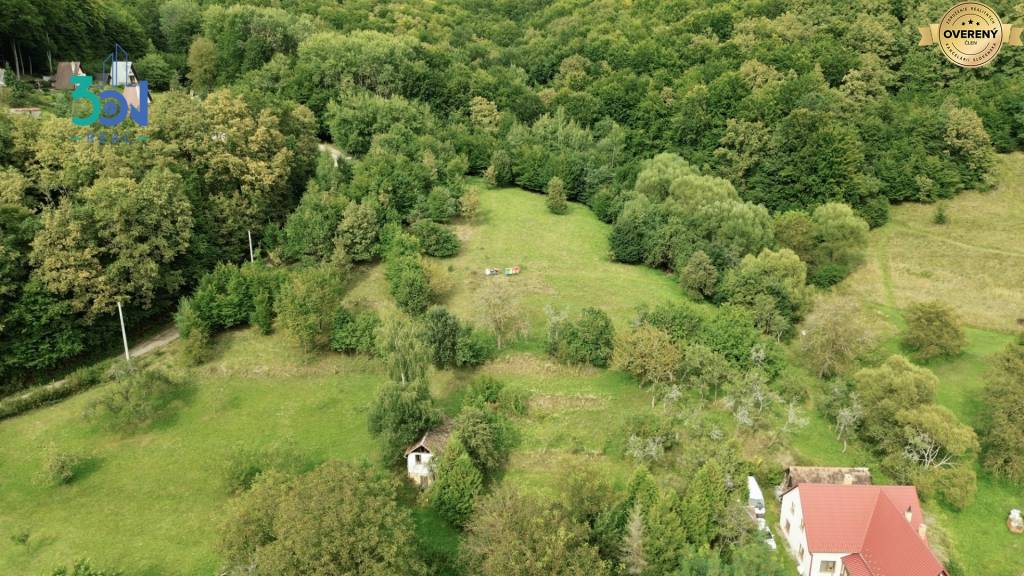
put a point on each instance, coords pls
(124, 335)
(252, 258)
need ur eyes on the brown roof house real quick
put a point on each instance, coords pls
(65, 71)
(420, 455)
(796, 475)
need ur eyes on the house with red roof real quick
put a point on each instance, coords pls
(857, 530)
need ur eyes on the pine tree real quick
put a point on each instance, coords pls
(633, 556)
(705, 502)
(557, 203)
(457, 485)
(665, 545)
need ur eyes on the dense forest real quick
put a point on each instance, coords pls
(791, 104)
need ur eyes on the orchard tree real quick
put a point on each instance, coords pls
(833, 336)
(649, 355)
(885, 391)
(499, 303)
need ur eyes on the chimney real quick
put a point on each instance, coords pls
(909, 514)
(922, 531)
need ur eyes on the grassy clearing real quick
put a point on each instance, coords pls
(564, 260)
(151, 503)
(976, 264)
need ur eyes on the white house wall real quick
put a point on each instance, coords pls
(796, 538)
(418, 470)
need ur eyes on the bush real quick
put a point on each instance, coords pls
(933, 329)
(829, 275)
(435, 239)
(940, 217)
(244, 464)
(59, 467)
(499, 173)
(699, 277)
(409, 284)
(474, 347)
(556, 201)
(875, 211)
(83, 568)
(262, 315)
(136, 399)
(78, 381)
(354, 332)
(589, 340)
(307, 303)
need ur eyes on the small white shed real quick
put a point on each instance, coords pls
(420, 455)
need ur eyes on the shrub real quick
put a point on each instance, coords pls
(483, 391)
(514, 401)
(474, 347)
(933, 329)
(940, 217)
(1004, 411)
(408, 282)
(589, 340)
(875, 211)
(648, 437)
(435, 239)
(307, 303)
(355, 332)
(486, 435)
(499, 173)
(78, 381)
(262, 315)
(556, 201)
(699, 277)
(829, 275)
(136, 399)
(59, 467)
(83, 568)
(244, 464)
(469, 203)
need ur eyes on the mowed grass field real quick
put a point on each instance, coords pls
(975, 263)
(151, 503)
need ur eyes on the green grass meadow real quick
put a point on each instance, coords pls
(151, 503)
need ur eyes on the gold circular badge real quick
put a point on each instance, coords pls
(970, 34)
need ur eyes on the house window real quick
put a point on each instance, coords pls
(787, 527)
(828, 566)
(801, 552)
(418, 458)
(792, 507)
